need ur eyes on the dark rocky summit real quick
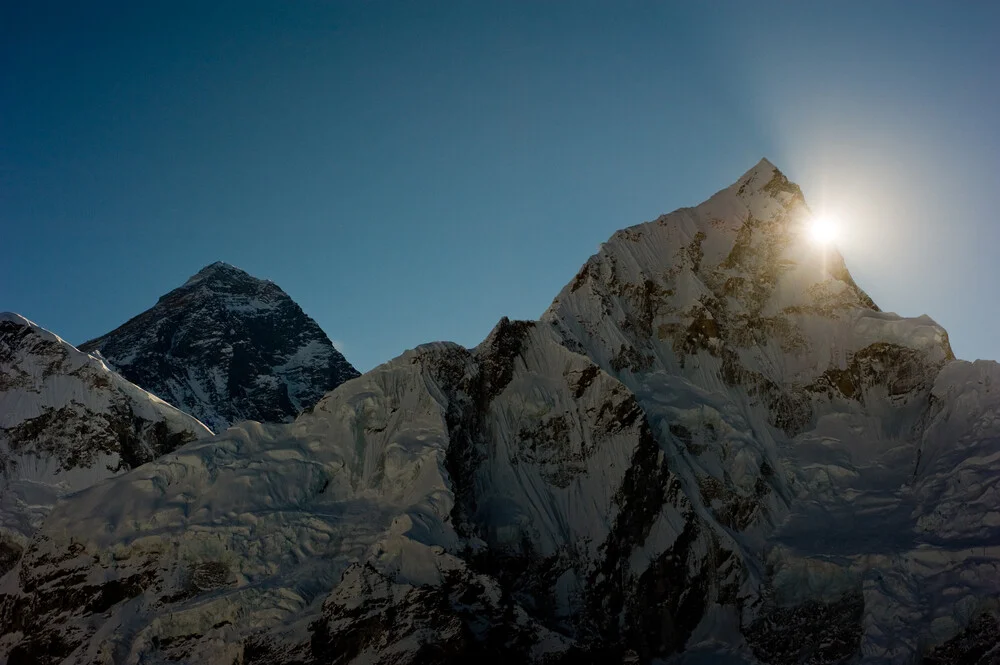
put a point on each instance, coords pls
(226, 347)
(713, 447)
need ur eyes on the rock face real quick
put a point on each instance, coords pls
(713, 447)
(66, 422)
(226, 347)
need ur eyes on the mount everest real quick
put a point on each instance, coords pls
(224, 347)
(712, 447)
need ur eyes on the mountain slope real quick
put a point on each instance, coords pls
(66, 422)
(713, 447)
(733, 298)
(226, 347)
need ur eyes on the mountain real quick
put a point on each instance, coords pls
(226, 347)
(67, 422)
(713, 447)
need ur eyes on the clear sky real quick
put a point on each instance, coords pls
(412, 171)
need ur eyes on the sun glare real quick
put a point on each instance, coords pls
(824, 229)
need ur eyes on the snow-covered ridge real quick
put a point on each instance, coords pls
(713, 447)
(224, 347)
(66, 422)
(834, 395)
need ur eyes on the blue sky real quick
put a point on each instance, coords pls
(414, 171)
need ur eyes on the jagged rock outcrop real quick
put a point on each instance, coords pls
(226, 347)
(713, 447)
(66, 422)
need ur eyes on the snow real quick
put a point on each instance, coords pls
(314, 353)
(821, 447)
(239, 348)
(852, 511)
(211, 270)
(48, 375)
(291, 507)
(38, 332)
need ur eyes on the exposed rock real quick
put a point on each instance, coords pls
(67, 422)
(813, 633)
(712, 445)
(225, 347)
(978, 644)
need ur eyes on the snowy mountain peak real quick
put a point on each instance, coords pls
(226, 346)
(66, 422)
(18, 320)
(764, 166)
(221, 267)
(713, 447)
(220, 272)
(766, 180)
(731, 292)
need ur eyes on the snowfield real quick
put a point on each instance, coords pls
(66, 422)
(713, 447)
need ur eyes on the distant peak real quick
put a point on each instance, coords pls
(220, 267)
(218, 270)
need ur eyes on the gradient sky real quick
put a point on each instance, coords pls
(412, 171)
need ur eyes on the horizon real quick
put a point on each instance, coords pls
(414, 175)
(521, 331)
(337, 344)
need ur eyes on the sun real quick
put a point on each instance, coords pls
(824, 229)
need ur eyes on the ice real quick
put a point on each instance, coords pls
(73, 404)
(712, 416)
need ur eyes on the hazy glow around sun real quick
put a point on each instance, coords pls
(824, 228)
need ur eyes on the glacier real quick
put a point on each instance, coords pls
(713, 446)
(67, 422)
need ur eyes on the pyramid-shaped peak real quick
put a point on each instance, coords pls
(765, 163)
(220, 266)
(764, 169)
(220, 270)
(239, 349)
(765, 180)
